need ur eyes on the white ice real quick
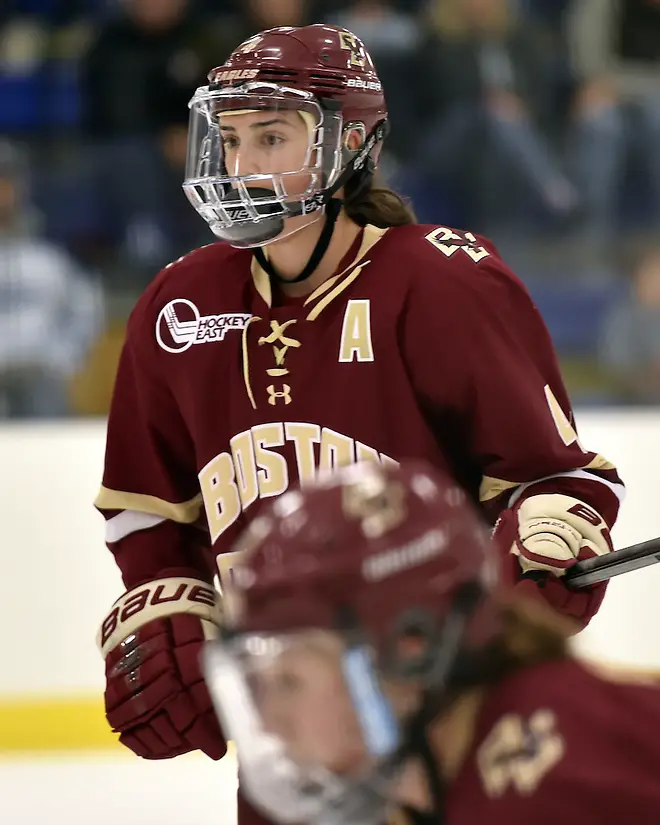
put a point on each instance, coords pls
(98, 789)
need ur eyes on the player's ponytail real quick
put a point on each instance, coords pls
(377, 205)
(529, 634)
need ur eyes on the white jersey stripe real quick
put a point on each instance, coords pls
(618, 489)
(127, 522)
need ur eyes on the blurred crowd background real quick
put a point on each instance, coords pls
(534, 122)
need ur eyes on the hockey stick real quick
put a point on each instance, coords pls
(601, 568)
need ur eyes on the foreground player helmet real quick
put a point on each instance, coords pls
(372, 576)
(317, 76)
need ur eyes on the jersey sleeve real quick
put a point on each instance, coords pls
(150, 495)
(480, 354)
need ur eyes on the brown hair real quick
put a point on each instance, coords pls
(377, 205)
(530, 634)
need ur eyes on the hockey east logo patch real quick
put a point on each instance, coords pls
(180, 325)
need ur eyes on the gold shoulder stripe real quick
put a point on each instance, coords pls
(599, 463)
(321, 290)
(185, 512)
(323, 303)
(371, 236)
(491, 488)
(261, 282)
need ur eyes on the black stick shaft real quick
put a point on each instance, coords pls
(613, 564)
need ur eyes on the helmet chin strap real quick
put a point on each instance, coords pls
(417, 745)
(434, 700)
(332, 210)
(360, 163)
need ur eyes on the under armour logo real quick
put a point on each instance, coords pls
(274, 395)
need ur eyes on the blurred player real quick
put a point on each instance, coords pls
(324, 328)
(372, 661)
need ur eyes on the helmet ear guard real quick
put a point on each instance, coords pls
(359, 162)
(347, 153)
(360, 181)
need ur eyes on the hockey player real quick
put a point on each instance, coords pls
(324, 327)
(371, 661)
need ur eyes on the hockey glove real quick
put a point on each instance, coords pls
(546, 535)
(155, 696)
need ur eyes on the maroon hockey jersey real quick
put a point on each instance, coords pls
(423, 345)
(559, 743)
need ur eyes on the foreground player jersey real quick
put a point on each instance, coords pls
(423, 345)
(559, 744)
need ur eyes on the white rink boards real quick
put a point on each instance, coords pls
(93, 789)
(49, 476)
(58, 581)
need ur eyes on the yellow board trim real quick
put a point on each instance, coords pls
(58, 725)
(69, 723)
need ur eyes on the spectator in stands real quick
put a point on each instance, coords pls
(616, 58)
(383, 28)
(144, 65)
(630, 344)
(50, 11)
(392, 38)
(266, 14)
(545, 12)
(49, 311)
(137, 79)
(484, 114)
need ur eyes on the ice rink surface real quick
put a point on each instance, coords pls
(103, 789)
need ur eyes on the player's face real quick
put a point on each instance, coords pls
(303, 700)
(266, 143)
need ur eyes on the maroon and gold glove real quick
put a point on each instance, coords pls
(545, 536)
(155, 695)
